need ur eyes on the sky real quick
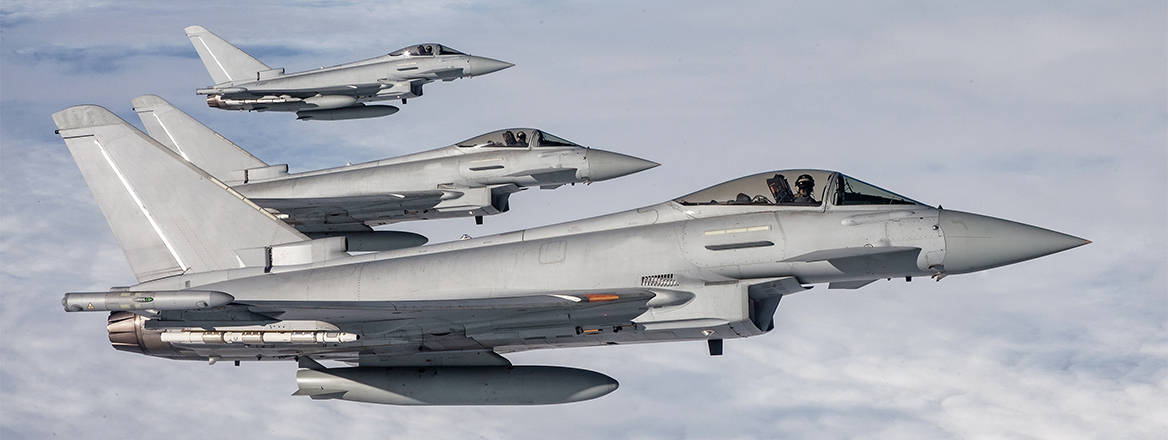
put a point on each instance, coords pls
(1055, 116)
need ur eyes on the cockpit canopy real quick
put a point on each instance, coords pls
(516, 137)
(795, 188)
(425, 49)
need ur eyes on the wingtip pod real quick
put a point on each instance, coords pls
(144, 300)
(85, 116)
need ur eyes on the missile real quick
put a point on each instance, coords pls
(219, 91)
(257, 337)
(513, 385)
(353, 112)
(139, 300)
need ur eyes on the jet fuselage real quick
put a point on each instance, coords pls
(705, 258)
(378, 79)
(453, 181)
(242, 82)
(221, 278)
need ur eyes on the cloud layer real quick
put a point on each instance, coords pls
(1049, 116)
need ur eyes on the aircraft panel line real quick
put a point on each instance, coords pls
(141, 207)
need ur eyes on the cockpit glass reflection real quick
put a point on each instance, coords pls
(850, 191)
(503, 138)
(554, 141)
(517, 137)
(795, 188)
(784, 188)
(425, 49)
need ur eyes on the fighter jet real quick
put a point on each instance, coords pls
(475, 177)
(329, 93)
(220, 279)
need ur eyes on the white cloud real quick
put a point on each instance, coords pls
(1055, 118)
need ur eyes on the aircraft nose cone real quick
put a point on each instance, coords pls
(483, 66)
(977, 242)
(604, 165)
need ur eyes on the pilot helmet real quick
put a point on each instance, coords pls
(805, 181)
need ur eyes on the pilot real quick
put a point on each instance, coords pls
(521, 138)
(804, 188)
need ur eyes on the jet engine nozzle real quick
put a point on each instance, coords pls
(128, 332)
(976, 242)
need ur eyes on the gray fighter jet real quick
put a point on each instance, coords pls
(329, 93)
(221, 279)
(475, 177)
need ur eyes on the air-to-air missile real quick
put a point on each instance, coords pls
(329, 93)
(473, 178)
(427, 325)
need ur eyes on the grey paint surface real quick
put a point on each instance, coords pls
(680, 270)
(475, 177)
(474, 385)
(1053, 347)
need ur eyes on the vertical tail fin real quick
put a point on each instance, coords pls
(169, 216)
(225, 62)
(192, 140)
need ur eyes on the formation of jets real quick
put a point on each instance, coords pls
(239, 260)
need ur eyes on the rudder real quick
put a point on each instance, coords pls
(192, 140)
(225, 62)
(168, 216)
